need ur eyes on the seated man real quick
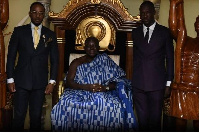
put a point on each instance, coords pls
(98, 97)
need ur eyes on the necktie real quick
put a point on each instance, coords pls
(36, 37)
(146, 38)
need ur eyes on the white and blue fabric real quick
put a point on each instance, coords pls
(80, 110)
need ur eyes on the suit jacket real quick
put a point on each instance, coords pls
(31, 71)
(153, 63)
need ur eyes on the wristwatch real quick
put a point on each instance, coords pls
(107, 88)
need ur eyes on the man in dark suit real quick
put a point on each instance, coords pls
(29, 79)
(153, 68)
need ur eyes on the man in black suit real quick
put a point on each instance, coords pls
(29, 79)
(153, 68)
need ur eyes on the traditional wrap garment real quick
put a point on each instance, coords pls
(80, 110)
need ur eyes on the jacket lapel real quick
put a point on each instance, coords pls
(154, 42)
(152, 45)
(29, 38)
(141, 35)
(154, 34)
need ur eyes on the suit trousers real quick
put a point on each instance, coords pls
(148, 107)
(22, 99)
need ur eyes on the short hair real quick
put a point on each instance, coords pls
(94, 39)
(149, 4)
(36, 3)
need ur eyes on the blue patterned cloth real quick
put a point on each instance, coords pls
(80, 110)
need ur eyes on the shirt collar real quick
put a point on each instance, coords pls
(32, 26)
(150, 28)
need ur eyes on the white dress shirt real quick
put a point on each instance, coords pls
(151, 28)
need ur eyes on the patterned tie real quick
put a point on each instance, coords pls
(146, 38)
(36, 37)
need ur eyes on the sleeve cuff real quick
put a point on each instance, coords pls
(10, 80)
(168, 83)
(52, 81)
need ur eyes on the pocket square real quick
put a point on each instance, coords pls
(46, 40)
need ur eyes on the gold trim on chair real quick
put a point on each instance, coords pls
(61, 40)
(72, 4)
(129, 43)
(98, 27)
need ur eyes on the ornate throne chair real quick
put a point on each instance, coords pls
(107, 20)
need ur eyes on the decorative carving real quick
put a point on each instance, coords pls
(95, 1)
(184, 99)
(72, 4)
(4, 16)
(98, 27)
